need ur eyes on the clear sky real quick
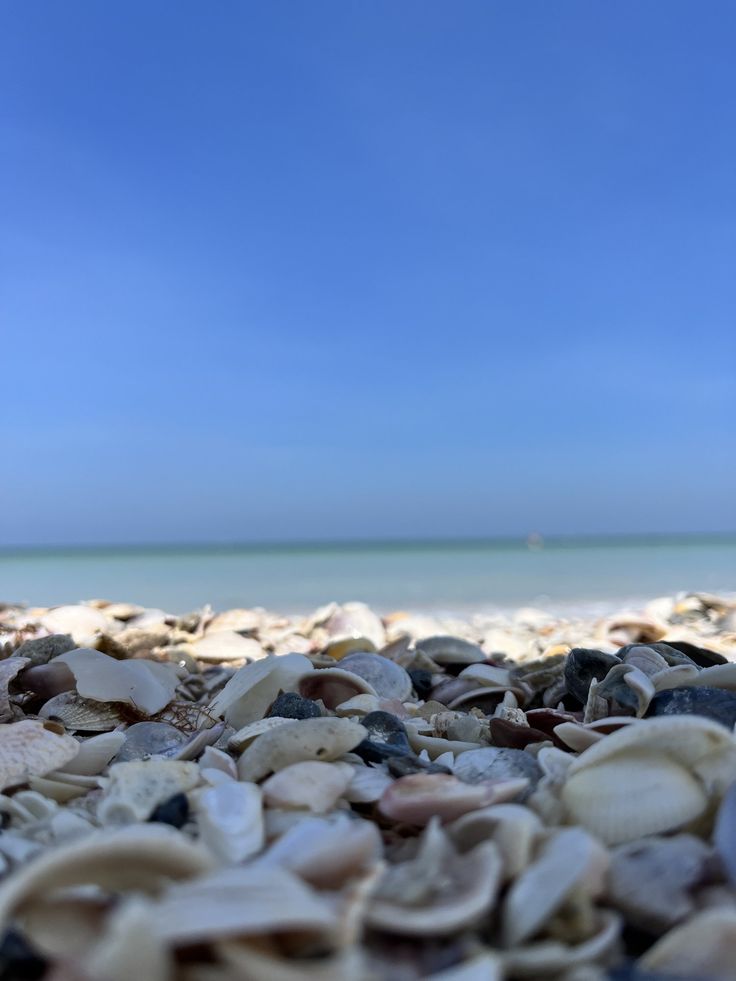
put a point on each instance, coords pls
(286, 270)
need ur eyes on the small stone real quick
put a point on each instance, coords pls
(18, 960)
(42, 650)
(290, 705)
(173, 811)
(422, 681)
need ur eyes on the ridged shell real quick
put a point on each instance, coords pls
(632, 795)
(32, 748)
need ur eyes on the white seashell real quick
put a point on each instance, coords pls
(324, 739)
(434, 745)
(646, 659)
(247, 695)
(332, 686)
(94, 754)
(385, 678)
(356, 620)
(55, 789)
(718, 676)
(32, 748)
(702, 947)
(326, 851)
(245, 736)
(570, 859)
(438, 892)
(555, 960)
(632, 795)
(724, 835)
(310, 784)
(147, 685)
(359, 705)
(420, 796)
(244, 900)
(9, 670)
(32, 805)
(251, 961)
(221, 646)
(135, 858)
(230, 820)
(513, 829)
(84, 623)
(129, 948)
(675, 677)
(135, 788)
(236, 620)
(216, 759)
(685, 739)
(366, 784)
(577, 737)
(488, 674)
(83, 714)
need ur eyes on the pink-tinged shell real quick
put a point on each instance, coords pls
(418, 797)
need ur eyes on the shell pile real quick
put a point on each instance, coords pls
(242, 795)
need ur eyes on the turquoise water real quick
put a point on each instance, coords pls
(448, 576)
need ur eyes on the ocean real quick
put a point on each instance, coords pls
(564, 575)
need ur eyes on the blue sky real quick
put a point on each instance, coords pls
(345, 269)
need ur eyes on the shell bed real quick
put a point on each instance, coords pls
(348, 797)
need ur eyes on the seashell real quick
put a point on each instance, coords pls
(650, 881)
(570, 859)
(434, 746)
(630, 795)
(83, 623)
(243, 900)
(451, 650)
(312, 785)
(582, 666)
(483, 967)
(492, 763)
(417, 798)
(128, 948)
(245, 736)
(221, 646)
(230, 820)
(332, 686)
(63, 930)
(366, 784)
(514, 735)
(82, 714)
(698, 655)
(326, 851)
(553, 959)
(674, 677)
(43, 649)
(716, 704)
(486, 699)
(340, 647)
(251, 961)
(144, 739)
(631, 628)
(134, 858)
(135, 788)
(149, 686)
(356, 620)
(724, 835)
(646, 659)
(488, 674)
(385, 678)
(9, 670)
(32, 748)
(577, 737)
(702, 947)
(215, 759)
(197, 742)
(512, 828)
(94, 754)
(239, 620)
(439, 891)
(248, 694)
(47, 680)
(322, 739)
(718, 676)
(359, 705)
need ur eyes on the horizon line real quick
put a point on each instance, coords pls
(532, 539)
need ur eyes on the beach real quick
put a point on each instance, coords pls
(227, 794)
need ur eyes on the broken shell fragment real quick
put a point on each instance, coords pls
(333, 686)
(417, 798)
(310, 739)
(147, 685)
(702, 947)
(135, 788)
(230, 820)
(32, 747)
(310, 784)
(248, 694)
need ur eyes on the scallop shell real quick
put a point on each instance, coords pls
(632, 795)
(324, 739)
(82, 714)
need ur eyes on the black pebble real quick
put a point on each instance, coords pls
(386, 728)
(173, 811)
(718, 704)
(18, 960)
(422, 682)
(290, 705)
(582, 665)
(373, 752)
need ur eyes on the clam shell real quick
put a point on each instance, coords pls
(451, 650)
(323, 739)
(632, 795)
(703, 947)
(221, 646)
(419, 797)
(310, 784)
(333, 686)
(385, 678)
(513, 829)
(32, 748)
(94, 754)
(84, 623)
(494, 763)
(245, 736)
